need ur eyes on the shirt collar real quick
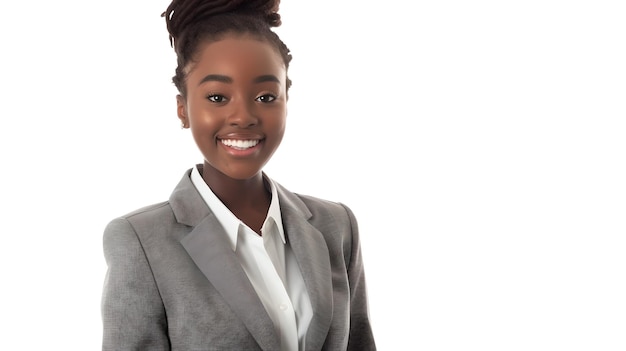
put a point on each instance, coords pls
(228, 220)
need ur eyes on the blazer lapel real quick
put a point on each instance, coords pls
(208, 247)
(312, 254)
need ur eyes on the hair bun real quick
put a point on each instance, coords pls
(268, 9)
(182, 13)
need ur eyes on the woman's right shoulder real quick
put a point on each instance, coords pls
(150, 210)
(145, 216)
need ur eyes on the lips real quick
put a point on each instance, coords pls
(239, 144)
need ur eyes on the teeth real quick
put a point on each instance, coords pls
(239, 144)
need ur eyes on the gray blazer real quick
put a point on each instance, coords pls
(174, 283)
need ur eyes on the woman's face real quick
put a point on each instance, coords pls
(236, 104)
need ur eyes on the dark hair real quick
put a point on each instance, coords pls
(193, 22)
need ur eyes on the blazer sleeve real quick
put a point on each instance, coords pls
(361, 337)
(133, 314)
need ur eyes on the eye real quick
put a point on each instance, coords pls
(217, 98)
(266, 98)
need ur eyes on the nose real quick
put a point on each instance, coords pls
(243, 116)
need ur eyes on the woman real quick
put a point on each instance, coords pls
(233, 261)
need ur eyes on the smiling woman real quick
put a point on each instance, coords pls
(233, 260)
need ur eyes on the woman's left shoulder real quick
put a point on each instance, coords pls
(319, 205)
(315, 205)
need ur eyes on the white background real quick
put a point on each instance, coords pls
(481, 145)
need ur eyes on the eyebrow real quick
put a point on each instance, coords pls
(226, 79)
(216, 78)
(266, 78)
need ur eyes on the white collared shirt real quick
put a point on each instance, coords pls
(269, 264)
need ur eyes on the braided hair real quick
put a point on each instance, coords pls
(194, 22)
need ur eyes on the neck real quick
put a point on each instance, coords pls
(237, 193)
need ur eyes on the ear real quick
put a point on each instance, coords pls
(181, 109)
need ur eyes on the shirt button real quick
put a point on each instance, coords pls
(282, 307)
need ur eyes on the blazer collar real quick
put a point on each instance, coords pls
(312, 253)
(188, 206)
(208, 247)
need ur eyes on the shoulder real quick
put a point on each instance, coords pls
(149, 213)
(312, 206)
(328, 216)
(132, 224)
(183, 199)
(321, 206)
(146, 214)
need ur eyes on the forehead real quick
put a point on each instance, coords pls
(238, 54)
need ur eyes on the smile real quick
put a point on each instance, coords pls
(239, 144)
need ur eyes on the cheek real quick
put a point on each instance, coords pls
(203, 141)
(279, 124)
(202, 118)
(203, 128)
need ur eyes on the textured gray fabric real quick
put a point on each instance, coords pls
(174, 283)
